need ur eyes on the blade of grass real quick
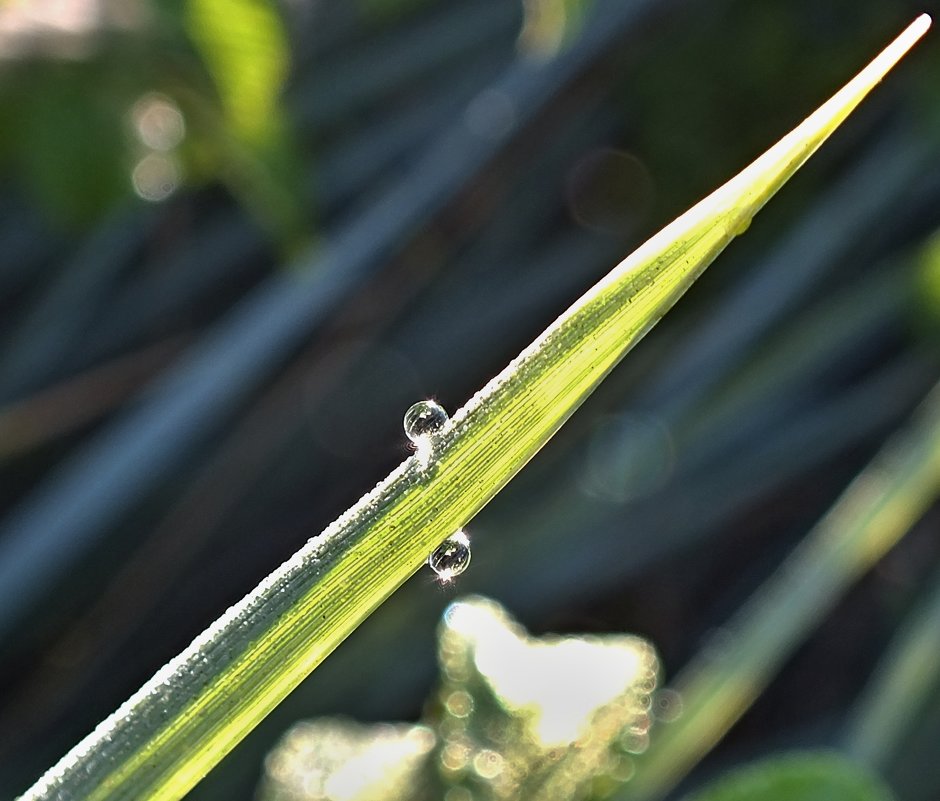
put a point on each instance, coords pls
(618, 541)
(860, 201)
(698, 501)
(903, 681)
(622, 544)
(233, 473)
(877, 509)
(181, 723)
(73, 509)
(912, 770)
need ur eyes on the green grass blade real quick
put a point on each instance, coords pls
(797, 776)
(900, 686)
(184, 720)
(872, 515)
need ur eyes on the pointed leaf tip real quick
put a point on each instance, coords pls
(909, 36)
(754, 185)
(904, 42)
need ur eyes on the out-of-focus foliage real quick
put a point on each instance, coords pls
(876, 510)
(798, 777)
(180, 412)
(203, 702)
(66, 136)
(197, 98)
(514, 717)
(244, 46)
(576, 736)
(324, 760)
(928, 282)
(888, 710)
(550, 24)
(557, 717)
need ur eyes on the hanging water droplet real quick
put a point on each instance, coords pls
(451, 557)
(742, 226)
(424, 419)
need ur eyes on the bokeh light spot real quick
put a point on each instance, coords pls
(609, 191)
(158, 122)
(155, 177)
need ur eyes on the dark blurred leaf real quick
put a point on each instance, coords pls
(384, 11)
(798, 777)
(69, 141)
(928, 280)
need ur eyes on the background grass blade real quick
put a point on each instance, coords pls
(877, 510)
(182, 722)
(799, 776)
(906, 676)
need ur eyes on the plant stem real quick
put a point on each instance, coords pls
(904, 679)
(876, 510)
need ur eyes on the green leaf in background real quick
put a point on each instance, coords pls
(876, 510)
(245, 48)
(798, 777)
(549, 24)
(928, 279)
(65, 138)
(889, 707)
(69, 132)
(162, 741)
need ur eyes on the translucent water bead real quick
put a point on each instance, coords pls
(451, 557)
(423, 420)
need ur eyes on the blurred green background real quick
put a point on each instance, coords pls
(239, 238)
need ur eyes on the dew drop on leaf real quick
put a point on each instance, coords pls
(424, 419)
(451, 557)
(743, 225)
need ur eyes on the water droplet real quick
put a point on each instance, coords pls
(451, 557)
(635, 741)
(423, 420)
(621, 768)
(455, 756)
(488, 764)
(667, 705)
(156, 176)
(742, 226)
(459, 703)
